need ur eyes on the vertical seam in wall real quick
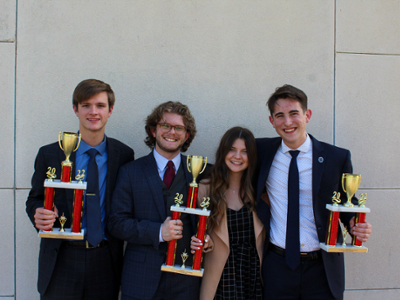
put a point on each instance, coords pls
(334, 72)
(15, 149)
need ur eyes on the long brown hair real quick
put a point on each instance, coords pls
(219, 175)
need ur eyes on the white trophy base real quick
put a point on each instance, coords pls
(192, 211)
(57, 183)
(66, 235)
(184, 271)
(341, 248)
(342, 208)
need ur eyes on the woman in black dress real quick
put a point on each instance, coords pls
(232, 264)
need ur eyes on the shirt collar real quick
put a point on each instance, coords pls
(83, 147)
(305, 147)
(162, 161)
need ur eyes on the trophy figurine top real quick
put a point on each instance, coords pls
(344, 233)
(178, 200)
(362, 200)
(350, 184)
(81, 176)
(195, 166)
(205, 203)
(184, 256)
(51, 173)
(336, 198)
(67, 144)
(62, 219)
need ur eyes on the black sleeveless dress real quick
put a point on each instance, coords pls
(241, 278)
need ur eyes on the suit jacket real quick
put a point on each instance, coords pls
(137, 213)
(51, 156)
(329, 163)
(215, 260)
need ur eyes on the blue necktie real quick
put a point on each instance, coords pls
(93, 214)
(292, 251)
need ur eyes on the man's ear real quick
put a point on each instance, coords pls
(110, 111)
(75, 108)
(271, 120)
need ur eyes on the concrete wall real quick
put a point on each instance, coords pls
(223, 59)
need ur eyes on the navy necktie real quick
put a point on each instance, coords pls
(169, 174)
(93, 213)
(292, 251)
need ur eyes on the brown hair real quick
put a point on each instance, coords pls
(90, 87)
(285, 92)
(219, 176)
(157, 115)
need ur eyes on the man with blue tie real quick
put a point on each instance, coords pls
(298, 175)
(89, 269)
(140, 211)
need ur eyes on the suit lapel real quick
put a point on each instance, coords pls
(153, 179)
(270, 149)
(112, 170)
(318, 165)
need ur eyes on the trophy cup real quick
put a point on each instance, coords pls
(350, 184)
(75, 232)
(195, 166)
(67, 144)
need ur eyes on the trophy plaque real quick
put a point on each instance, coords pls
(350, 184)
(195, 166)
(70, 143)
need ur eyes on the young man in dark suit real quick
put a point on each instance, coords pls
(297, 178)
(140, 211)
(79, 269)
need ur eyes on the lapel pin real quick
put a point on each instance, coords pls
(320, 159)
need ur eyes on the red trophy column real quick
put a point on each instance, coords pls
(77, 214)
(170, 261)
(332, 230)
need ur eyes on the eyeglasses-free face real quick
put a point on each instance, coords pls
(166, 127)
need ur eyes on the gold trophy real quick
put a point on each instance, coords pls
(68, 144)
(350, 184)
(195, 166)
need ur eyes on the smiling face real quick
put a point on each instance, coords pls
(168, 144)
(93, 114)
(236, 159)
(289, 121)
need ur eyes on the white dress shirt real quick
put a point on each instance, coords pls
(162, 167)
(277, 187)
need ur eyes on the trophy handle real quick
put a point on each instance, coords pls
(343, 186)
(188, 163)
(79, 141)
(59, 141)
(205, 164)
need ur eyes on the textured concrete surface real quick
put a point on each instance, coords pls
(221, 58)
(7, 237)
(7, 67)
(370, 26)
